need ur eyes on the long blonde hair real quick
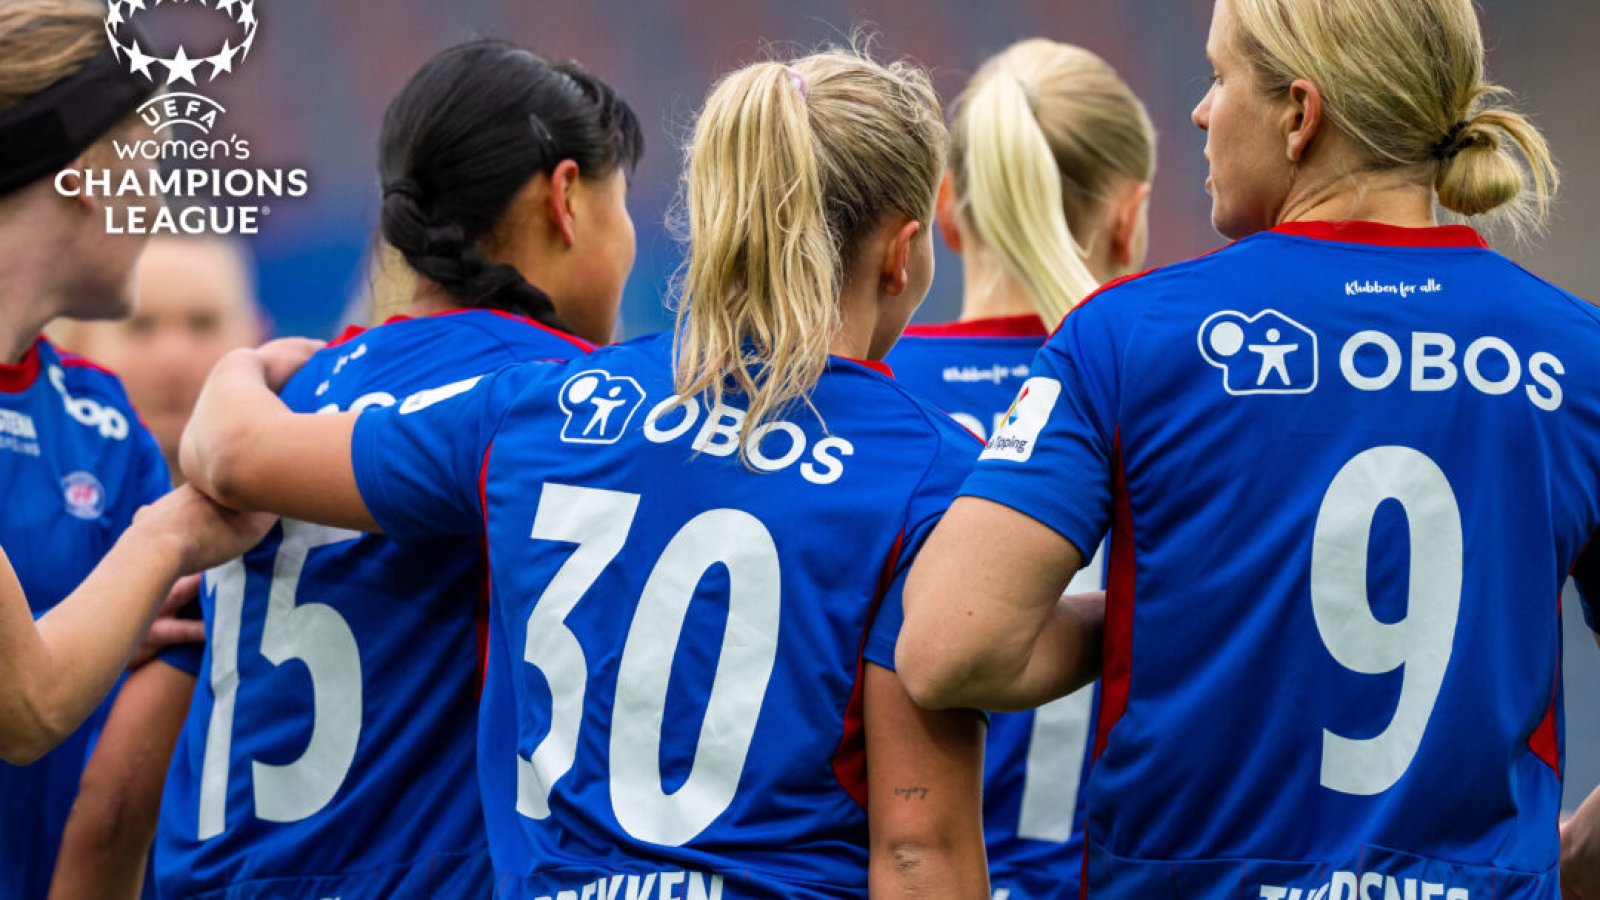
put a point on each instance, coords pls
(789, 168)
(1404, 80)
(1041, 132)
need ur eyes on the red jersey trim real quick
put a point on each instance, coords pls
(481, 614)
(1117, 648)
(1381, 235)
(1001, 326)
(14, 379)
(882, 368)
(1545, 742)
(350, 333)
(850, 759)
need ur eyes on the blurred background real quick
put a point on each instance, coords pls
(314, 88)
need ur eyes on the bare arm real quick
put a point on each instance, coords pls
(53, 673)
(986, 625)
(245, 448)
(113, 821)
(924, 796)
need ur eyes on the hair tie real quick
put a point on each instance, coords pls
(800, 84)
(1451, 145)
(404, 187)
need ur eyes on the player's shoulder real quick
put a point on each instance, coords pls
(461, 333)
(80, 375)
(867, 394)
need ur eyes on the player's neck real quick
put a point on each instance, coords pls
(25, 307)
(430, 299)
(1385, 198)
(990, 292)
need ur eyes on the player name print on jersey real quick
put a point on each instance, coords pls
(1362, 885)
(665, 885)
(1270, 353)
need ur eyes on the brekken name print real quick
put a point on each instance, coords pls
(171, 175)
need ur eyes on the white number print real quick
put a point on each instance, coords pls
(319, 637)
(1057, 745)
(599, 521)
(1422, 642)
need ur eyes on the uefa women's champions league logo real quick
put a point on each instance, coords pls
(177, 108)
(174, 172)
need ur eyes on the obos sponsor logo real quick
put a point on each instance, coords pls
(1267, 353)
(599, 406)
(1019, 430)
(772, 447)
(1270, 353)
(85, 498)
(201, 196)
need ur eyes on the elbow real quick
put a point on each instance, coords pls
(216, 462)
(29, 733)
(926, 674)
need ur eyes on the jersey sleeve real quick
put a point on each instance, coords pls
(1051, 458)
(154, 478)
(1587, 575)
(934, 495)
(418, 464)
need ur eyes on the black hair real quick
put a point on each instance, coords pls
(467, 132)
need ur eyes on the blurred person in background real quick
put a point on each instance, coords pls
(194, 300)
(1045, 199)
(1347, 462)
(75, 462)
(690, 534)
(329, 750)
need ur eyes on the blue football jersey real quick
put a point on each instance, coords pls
(75, 465)
(1034, 761)
(1347, 468)
(673, 704)
(329, 748)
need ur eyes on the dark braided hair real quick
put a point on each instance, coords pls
(461, 140)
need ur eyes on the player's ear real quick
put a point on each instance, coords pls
(562, 205)
(945, 211)
(1303, 120)
(1127, 221)
(897, 256)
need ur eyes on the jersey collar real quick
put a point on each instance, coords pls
(1381, 235)
(882, 368)
(14, 379)
(1000, 326)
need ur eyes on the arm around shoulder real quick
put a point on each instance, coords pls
(247, 450)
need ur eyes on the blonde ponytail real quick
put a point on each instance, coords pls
(1041, 133)
(1491, 164)
(788, 169)
(1014, 198)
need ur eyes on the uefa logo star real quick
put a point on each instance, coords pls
(183, 67)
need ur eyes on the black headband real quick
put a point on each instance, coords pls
(48, 130)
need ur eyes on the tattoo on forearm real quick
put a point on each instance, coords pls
(911, 792)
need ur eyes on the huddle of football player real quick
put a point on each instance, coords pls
(1211, 581)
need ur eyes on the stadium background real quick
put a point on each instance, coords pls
(313, 92)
